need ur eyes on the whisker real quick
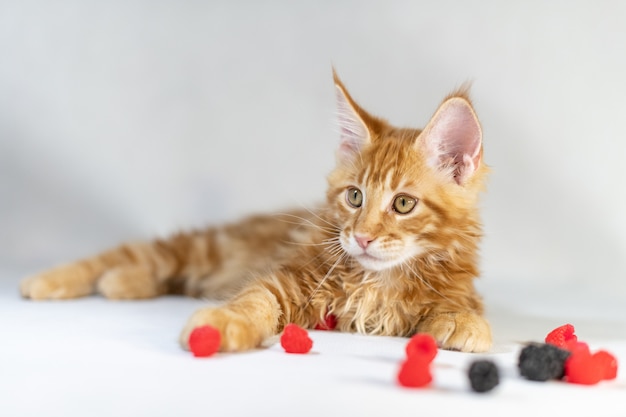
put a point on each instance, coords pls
(330, 271)
(312, 212)
(334, 249)
(307, 222)
(323, 243)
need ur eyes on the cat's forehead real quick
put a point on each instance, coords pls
(393, 163)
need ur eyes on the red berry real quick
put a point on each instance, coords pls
(330, 323)
(582, 368)
(422, 345)
(295, 339)
(414, 373)
(560, 336)
(607, 362)
(204, 341)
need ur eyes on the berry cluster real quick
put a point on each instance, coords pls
(415, 371)
(561, 357)
(574, 363)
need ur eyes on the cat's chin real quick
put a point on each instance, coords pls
(372, 263)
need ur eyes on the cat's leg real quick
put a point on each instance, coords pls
(65, 281)
(258, 312)
(130, 282)
(131, 271)
(128, 271)
(210, 263)
(462, 331)
(244, 323)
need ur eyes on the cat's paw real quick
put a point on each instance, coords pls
(67, 281)
(466, 332)
(237, 331)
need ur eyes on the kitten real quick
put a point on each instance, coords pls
(393, 251)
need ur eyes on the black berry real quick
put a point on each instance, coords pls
(483, 375)
(541, 362)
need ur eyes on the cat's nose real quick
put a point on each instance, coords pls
(363, 240)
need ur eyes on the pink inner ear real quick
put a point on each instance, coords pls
(454, 138)
(353, 132)
(350, 139)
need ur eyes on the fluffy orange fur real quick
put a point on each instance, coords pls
(393, 251)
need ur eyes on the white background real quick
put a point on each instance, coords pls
(130, 119)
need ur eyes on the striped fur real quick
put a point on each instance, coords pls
(415, 274)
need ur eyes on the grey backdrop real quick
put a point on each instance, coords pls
(129, 119)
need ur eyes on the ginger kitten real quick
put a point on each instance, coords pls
(393, 251)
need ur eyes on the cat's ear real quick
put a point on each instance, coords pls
(353, 130)
(453, 139)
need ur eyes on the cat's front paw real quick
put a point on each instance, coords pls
(238, 332)
(466, 332)
(67, 281)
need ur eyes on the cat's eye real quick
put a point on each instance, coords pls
(354, 197)
(404, 204)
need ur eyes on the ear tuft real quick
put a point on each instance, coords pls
(453, 139)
